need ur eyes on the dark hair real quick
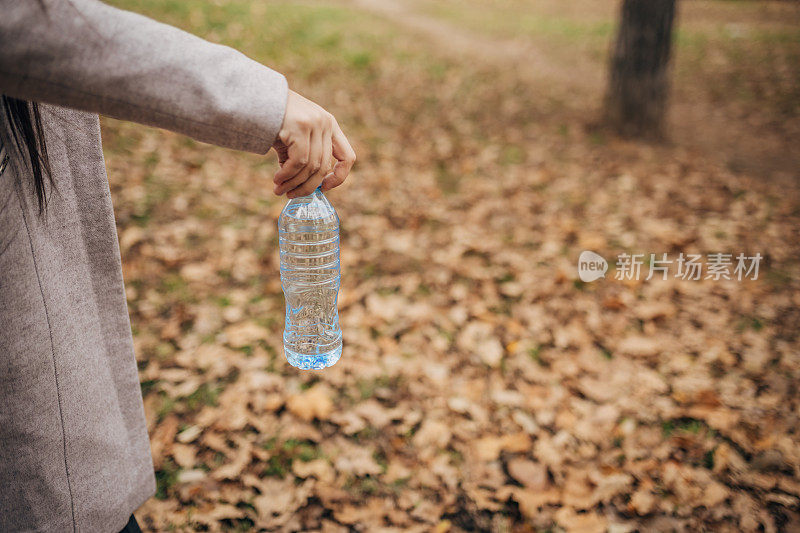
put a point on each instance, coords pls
(25, 123)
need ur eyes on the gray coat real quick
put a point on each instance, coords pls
(74, 452)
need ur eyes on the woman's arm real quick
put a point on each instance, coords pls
(86, 55)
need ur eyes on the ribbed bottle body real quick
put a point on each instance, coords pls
(308, 231)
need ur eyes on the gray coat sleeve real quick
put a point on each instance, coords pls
(89, 56)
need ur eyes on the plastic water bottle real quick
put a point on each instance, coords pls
(308, 231)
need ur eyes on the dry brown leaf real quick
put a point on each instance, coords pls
(318, 468)
(643, 501)
(184, 455)
(726, 458)
(191, 476)
(216, 442)
(427, 511)
(349, 422)
(637, 345)
(217, 512)
(233, 412)
(197, 272)
(396, 471)
(431, 436)
(607, 486)
(517, 442)
(351, 514)
(528, 473)
(312, 403)
(162, 439)
(714, 494)
(279, 500)
(490, 351)
(589, 522)
(530, 501)
(373, 412)
(442, 468)
(488, 448)
(242, 457)
(577, 490)
(358, 461)
(478, 338)
(245, 334)
(189, 434)
(130, 237)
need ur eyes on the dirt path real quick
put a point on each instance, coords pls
(530, 62)
(721, 132)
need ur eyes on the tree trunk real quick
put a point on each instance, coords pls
(637, 90)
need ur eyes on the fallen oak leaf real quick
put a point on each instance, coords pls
(588, 522)
(530, 501)
(217, 512)
(189, 434)
(243, 456)
(528, 473)
(358, 461)
(184, 455)
(245, 334)
(312, 403)
(162, 439)
(489, 448)
(318, 468)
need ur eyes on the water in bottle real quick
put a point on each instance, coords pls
(308, 231)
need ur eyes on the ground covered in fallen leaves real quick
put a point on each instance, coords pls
(483, 386)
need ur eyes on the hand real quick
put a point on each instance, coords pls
(307, 140)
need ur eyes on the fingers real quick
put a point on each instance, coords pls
(311, 166)
(282, 150)
(327, 147)
(321, 166)
(327, 153)
(308, 139)
(345, 159)
(297, 155)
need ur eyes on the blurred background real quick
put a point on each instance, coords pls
(483, 386)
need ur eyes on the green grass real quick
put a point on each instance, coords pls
(284, 454)
(678, 425)
(166, 477)
(302, 40)
(367, 388)
(535, 354)
(166, 406)
(204, 395)
(744, 51)
(505, 20)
